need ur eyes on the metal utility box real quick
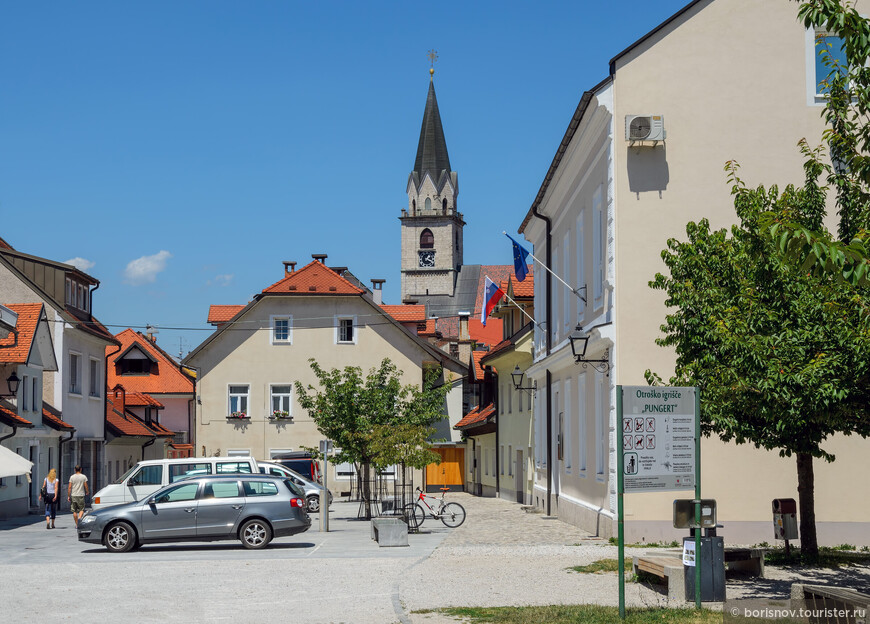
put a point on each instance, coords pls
(785, 526)
(712, 562)
(684, 514)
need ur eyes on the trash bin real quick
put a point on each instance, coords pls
(712, 562)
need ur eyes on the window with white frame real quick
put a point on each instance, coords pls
(75, 373)
(510, 460)
(581, 422)
(94, 377)
(822, 47)
(581, 265)
(557, 293)
(568, 440)
(602, 430)
(345, 330)
(599, 225)
(486, 462)
(69, 292)
(280, 400)
(510, 394)
(568, 299)
(501, 461)
(238, 399)
(281, 329)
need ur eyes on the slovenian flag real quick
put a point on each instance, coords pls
(492, 294)
(521, 269)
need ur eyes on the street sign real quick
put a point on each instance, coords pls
(658, 438)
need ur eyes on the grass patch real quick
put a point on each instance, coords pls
(829, 557)
(581, 614)
(674, 544)
(601, 566)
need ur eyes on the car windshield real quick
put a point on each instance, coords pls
(126, 474)
(294, 488)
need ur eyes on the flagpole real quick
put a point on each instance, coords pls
(505, 295)
(573, 290)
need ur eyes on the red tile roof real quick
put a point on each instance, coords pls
(476, 416)
(498, 273)
(128, 424)
(521, 290)
(16, 350)
(488, 334)
(218, 314)
(167, 380)
(315, 278)
(52, 418)
(406, 313)
(504, 344)
(427, 327)
(476, 356)
(8, 416)
(140, 399)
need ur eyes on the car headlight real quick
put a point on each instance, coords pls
(88, 520)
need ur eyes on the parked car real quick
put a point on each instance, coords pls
(311, 489)
(251, 508)
(146, 477)
(302, 463)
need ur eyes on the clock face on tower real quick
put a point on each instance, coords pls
(427, 259)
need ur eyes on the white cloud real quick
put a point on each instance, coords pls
(144, 270)
(220, 280)
(80, 263)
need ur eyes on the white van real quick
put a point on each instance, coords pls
(150, 475)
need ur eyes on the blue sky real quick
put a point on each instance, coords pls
(183, 150)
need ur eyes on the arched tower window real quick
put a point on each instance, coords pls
(428, 204)
(427, 239)
(413, 206)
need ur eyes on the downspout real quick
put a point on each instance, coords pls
(60, 444)
(147, 444)
(11, 435)
(548, 321)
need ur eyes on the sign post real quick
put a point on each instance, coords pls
(658, 450)
(325, 449)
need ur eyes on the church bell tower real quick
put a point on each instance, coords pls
(431, 224)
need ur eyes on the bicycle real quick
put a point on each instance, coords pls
(451, 514)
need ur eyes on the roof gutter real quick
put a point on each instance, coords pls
(11, 435)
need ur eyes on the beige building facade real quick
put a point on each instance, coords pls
(728, 80)
(251, 363)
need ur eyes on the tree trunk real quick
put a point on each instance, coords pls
(807, 507)
(367, 492)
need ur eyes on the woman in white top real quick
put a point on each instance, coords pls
(52, 488)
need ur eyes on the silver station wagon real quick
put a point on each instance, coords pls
(250, 508)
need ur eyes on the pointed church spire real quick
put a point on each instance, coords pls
(432, 148)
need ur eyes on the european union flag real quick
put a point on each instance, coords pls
(521, 269)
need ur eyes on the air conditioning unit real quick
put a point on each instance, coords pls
(645, 128)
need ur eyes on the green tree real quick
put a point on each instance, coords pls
(367, 415)
(782, 356)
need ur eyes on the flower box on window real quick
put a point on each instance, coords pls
(281, 415)
(238, 416)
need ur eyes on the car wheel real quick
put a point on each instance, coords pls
(255, 534)
(313, 503)
(120, 537)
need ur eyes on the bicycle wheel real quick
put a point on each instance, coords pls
(413, 515)
(453, 515)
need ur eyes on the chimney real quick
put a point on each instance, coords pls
(289, 267)
(377, 290)
(151, 333)
(463, 325)
(321, 258)
(119, 398)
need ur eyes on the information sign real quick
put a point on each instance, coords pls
(658, 438)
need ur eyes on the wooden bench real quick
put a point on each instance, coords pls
(749, 560)
(667, 567)
(854, 604)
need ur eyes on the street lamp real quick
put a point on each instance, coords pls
(517, 377)
(12, 381)
(579, 342)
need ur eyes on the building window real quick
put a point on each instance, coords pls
(18, 477)
(601, 428)
(75, 373)
(567, 443)
(599, 226)
(69, 292)
(428, 204)
(581, 265)
(828, 47)
(282, 329)
(25, 381)
(94, 372)
(427, 239)
(35, 392)
(501, 450)
(345, 331)
(238, 399)
(581, 422)
(281, 400)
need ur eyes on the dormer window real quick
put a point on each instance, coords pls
(76, 295)
(427, 239)
(135, 362)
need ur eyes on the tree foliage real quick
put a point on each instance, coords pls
(373, 419)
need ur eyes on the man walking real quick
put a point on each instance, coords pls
(76, 492)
